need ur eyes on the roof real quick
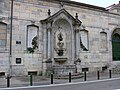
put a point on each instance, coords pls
(117, 4)
(114, 5)
(69, 2)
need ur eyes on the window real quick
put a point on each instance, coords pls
(18, 60)
(84, 40)
(32, 72)
(103, 41)
(2, 73)
(3, 34)
(85, 69)
(18, 42)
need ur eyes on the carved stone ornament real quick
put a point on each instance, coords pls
(60, 44)
(60, 38)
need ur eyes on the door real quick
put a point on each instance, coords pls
(116, 47)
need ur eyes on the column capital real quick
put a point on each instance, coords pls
(77, 27)
(82, 27)
(77, 30)
(49, 25)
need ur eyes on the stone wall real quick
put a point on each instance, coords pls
(28, 12)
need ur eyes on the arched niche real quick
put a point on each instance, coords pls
(62, 29)
(3, 34)
(32, 33)
(84, 42)
(103, 41)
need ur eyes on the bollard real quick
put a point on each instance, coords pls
(31, 80)
(69, 77)
(110, 74)
(98, 75)
(85, 76)
(51, 78)
(8, 81)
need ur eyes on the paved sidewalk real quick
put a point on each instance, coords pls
(39, 80)
(21, 81)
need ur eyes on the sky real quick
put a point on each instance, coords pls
(101, 3)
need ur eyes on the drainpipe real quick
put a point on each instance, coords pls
(10, 52)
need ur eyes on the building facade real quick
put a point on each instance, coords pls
(58, 36)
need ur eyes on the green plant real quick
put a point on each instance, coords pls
(30, 50)
(83, 47)
(34, 42)
(34, 45)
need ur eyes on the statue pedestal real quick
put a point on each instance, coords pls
(60, 60)
(64, 69)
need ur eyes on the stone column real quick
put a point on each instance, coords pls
(45, 42)
(49, 55)
(44, 67)
(73, 47)
(49, 39)
(77, 45)
(77, 41)
(49, 44)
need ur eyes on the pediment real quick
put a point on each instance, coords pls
(62, 13)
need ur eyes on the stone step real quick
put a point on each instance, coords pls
(73, 76)
(116, 69)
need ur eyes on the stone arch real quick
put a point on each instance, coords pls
(62, 26)
(116, 44)
(115, 30)
(62, 20)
